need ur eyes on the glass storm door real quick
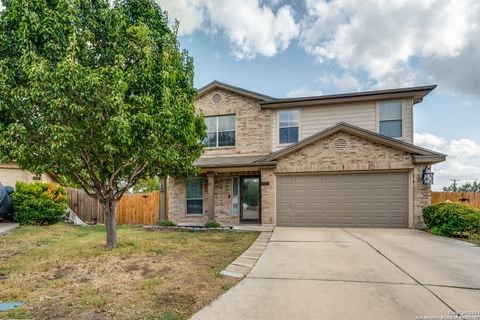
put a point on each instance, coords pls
(250, 205)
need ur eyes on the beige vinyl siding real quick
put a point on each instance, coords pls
(10, 174)
(408, 121)
(362, 114)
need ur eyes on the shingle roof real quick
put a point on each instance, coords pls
(416, 93)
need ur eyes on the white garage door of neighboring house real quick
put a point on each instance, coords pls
(343, 200)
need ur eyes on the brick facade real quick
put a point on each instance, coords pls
(360, 155)
(253, 136)
(422, 197)
(253, 129)
(177, 200)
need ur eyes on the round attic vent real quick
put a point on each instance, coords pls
(340, 144)
(216, 98)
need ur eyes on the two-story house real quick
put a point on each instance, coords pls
(343, 160)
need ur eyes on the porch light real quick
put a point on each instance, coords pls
(427, 176)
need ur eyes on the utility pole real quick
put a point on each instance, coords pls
(455, 184)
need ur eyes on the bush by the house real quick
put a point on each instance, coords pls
(450, 219)
(167, 223)
(38, 203)
(212, 224)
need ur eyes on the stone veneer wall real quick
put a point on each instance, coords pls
(253, 128)
(360, 155)
(422, 197)
(222, 200)
(269, 203)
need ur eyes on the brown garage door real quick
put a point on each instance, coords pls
(343, 200)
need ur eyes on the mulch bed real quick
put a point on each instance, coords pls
(187, 229)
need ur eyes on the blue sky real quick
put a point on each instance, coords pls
(443, 113)
(312, 47)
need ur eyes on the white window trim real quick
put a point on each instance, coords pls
(187, 198)
(403, 116)
(216, 132)
(299, 127)
(238, 195)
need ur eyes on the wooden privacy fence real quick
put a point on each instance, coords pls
(470, 198)
(142, 208)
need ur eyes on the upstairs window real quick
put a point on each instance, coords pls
(390, 119)
(288, 126)
(220, 131)
(195, 195)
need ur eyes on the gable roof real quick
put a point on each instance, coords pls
(416, 93)
(420, 155)
(228, 87)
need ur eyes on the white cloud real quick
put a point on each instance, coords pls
(463, 159)
(429, 140)
(384, 38)
(188, 12)
(346, 82)
(252, 28)
(464, 148)
(303, 91)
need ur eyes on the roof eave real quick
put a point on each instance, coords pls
(428, 159)
(253, 164)
(225, 86)
(416, 93)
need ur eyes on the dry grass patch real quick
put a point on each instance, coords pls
(64, 272)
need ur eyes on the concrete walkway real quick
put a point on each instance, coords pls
(7, 227)
(313, 273)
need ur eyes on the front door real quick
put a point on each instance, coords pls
(250, 205)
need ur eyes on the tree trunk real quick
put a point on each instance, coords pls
(110, 210)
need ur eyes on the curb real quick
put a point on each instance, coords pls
(243, 264)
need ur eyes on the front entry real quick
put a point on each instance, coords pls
(250, 204)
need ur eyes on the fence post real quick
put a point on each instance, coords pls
(163, 199)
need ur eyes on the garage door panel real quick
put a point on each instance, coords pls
(343, 200)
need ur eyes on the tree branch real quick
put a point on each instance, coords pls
(131, 180)
(96, 182)
(84, 185)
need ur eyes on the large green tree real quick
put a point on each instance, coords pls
(98, 92)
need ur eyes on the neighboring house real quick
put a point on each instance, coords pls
(10, 174)
(344, 160)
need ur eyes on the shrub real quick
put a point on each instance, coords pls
(448, 218)
(38, 203)
(212, 224)
(167, 223)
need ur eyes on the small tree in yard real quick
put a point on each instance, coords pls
(97, 92)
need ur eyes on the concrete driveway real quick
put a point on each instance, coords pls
(7, 227)
(315, 273)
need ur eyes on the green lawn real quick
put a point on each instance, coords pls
(64, 271)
